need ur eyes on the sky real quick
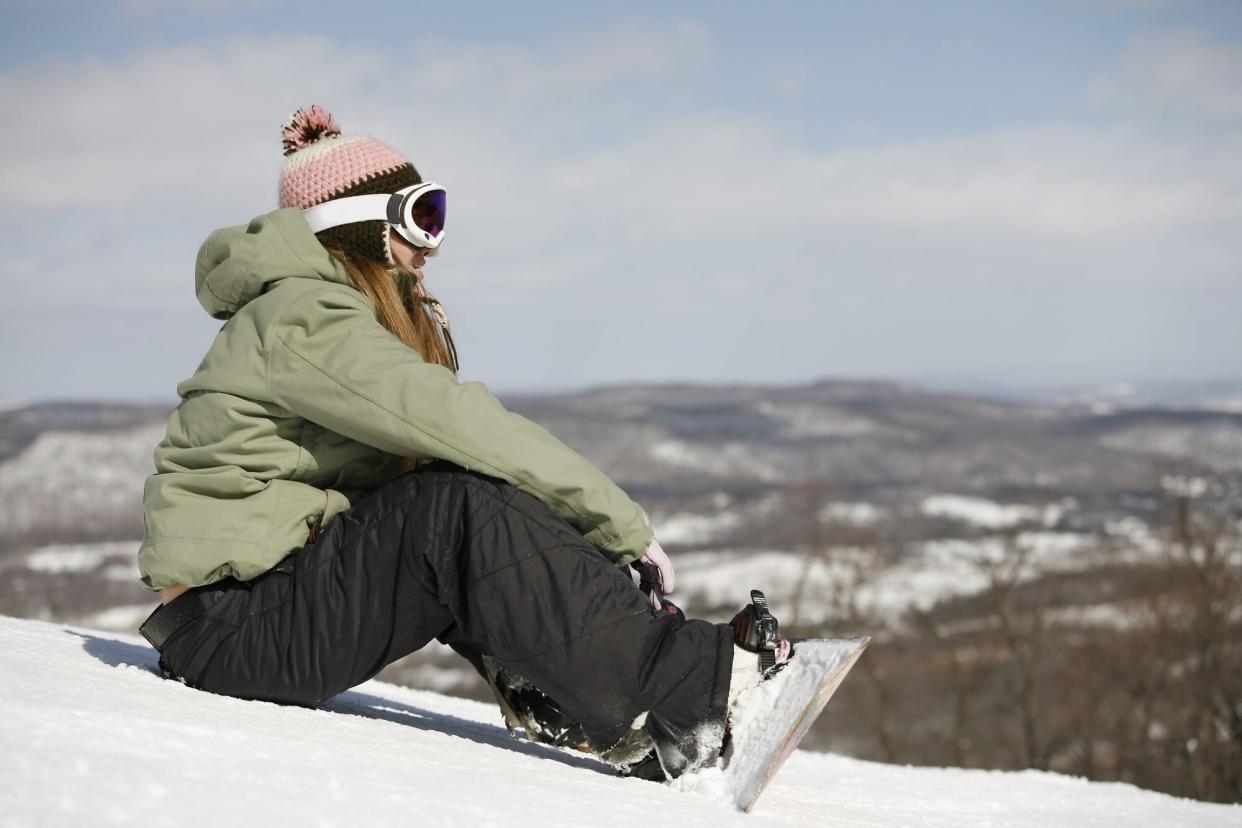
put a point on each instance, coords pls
(984, 194)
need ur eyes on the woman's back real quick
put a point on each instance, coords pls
(238, 475)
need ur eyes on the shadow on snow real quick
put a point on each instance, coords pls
(116, 653)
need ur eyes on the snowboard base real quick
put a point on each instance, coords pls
(774, 715)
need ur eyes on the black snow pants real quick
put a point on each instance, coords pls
(443, 552)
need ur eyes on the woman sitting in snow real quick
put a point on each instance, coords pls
(329, 497)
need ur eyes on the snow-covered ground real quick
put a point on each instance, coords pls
(85, 557)
(854, 514)
(725, 460)
(91, 735)
(688, 528)
(934, 571)
(987, 513)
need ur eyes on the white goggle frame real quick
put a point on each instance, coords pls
(395, 208)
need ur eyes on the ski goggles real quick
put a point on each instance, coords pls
(416, 212)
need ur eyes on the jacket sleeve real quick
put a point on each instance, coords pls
(330, 361)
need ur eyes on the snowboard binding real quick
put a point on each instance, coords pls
(756, 629)
(528, 709)
(539, 718)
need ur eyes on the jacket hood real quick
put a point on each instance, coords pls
(236, 264)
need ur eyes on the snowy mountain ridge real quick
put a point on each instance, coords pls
(92, 735)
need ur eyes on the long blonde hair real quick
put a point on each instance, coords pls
(406, 310)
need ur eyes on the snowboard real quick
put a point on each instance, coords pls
(774, 715)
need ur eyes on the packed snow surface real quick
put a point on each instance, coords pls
(91, 735)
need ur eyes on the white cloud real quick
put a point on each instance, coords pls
(704, 176)
(1175, 72)
(196, 122)
(790, 81)
(187, 138)
(202, 120)
(743, 251)
(200, 123)
(580, 61)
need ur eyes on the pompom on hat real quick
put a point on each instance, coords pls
(323, 164)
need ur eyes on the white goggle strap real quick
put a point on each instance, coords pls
(338, 211)
(380, 207)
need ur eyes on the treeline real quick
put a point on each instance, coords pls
(1130, 670)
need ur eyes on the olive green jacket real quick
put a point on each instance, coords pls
(304, 394)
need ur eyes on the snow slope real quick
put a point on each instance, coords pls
(91, 735)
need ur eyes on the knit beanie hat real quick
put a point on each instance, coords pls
(323, 164)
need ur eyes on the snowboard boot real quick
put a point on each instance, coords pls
(759, 652)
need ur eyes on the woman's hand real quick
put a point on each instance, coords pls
(656, 573)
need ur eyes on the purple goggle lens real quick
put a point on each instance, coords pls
(428, 211)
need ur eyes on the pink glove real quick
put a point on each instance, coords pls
(656, 572)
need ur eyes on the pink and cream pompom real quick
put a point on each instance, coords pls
(306, 126)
